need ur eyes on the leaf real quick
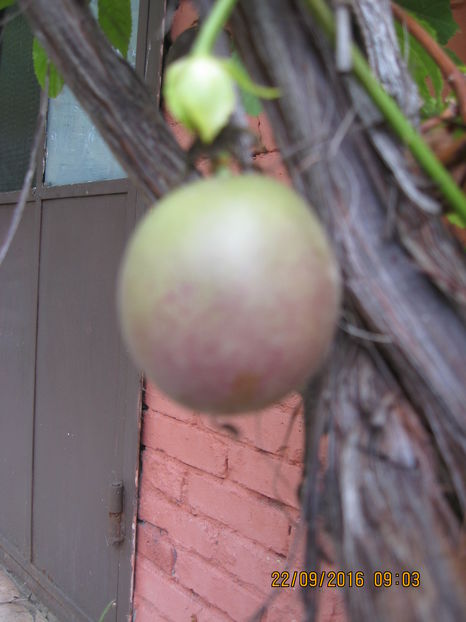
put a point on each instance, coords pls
(424, 70)
(437, 13)
(115, 20)
(456, 59)
(241, 77)
(457, 220)
(42, 65)
(6, 3)
(251, 103)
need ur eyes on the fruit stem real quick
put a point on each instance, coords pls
(395, 117)
(212, 26)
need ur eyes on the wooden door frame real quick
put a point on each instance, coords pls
(148, 66)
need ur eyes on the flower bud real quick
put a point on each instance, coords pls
(200, 93)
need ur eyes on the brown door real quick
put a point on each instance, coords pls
(69, 397)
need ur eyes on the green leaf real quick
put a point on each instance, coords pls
(6, 3)
(115, 20)
(457, 220)
(42, 65)
(456, 59)
(241, 77)
(437, 13)
(424, 70)
(251, 103)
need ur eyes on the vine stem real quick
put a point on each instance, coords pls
(392, 113)
(212, 26)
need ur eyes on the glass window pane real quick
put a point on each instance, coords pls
(19, 101)
(76, 152)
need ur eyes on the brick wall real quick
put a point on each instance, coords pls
(218, 507)
(218, 512)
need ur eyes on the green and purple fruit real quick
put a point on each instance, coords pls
(229, 294)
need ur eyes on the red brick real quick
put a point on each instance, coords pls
(253, 123)
(268, 429)
(331, 606)
(185, 16)
(250, 562)
(215, 586)
(164, 593)
(272, 164)
(161, 403)
(238, 555)
(172, 600)
(163, 473)
(156, 546)
(182, 135)
(260, 471)
(261, 127)
(255, 518)
(189, 444)
(144, 611)
(194, 532)
(293, 612)
(266, 133)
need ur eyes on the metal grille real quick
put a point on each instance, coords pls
(19, 100)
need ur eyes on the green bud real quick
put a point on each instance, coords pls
(199, 93)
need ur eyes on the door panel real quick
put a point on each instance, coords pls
(85, 392)
(18, 291)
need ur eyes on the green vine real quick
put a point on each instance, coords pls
(392, 113)
(212, 26)
(106, 610)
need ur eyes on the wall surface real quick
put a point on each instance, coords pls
(218, 514)
(218, 510)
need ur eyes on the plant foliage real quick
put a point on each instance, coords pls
(423, 69)
(42, 67)
(436, 19)
(115, 20)
(437, 13)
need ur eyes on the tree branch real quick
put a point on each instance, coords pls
(398, 431)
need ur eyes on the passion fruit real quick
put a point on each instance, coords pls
(229, 294)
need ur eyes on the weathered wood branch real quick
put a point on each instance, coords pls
(378, 31)
(391, 509)
(399, 470)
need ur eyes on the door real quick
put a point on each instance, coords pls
(69, 396)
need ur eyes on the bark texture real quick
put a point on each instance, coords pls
(392, 402)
